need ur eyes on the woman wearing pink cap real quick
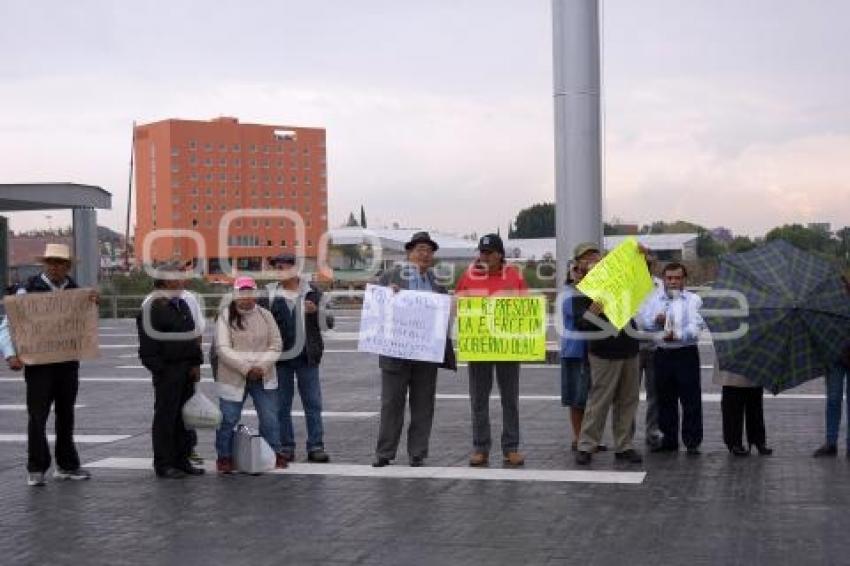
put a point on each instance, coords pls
(248, 344)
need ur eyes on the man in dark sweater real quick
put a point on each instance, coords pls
(175, 364)
(615, 381)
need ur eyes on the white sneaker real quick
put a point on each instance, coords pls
(78, 474)
(35, 479)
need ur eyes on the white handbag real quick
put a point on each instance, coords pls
(252, 453)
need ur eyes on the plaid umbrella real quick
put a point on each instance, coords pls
(798, 320)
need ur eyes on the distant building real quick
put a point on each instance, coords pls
(824, 227)
(190, 174)
(666, 247)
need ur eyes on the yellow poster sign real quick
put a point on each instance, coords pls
(501, 329)
(620, 282)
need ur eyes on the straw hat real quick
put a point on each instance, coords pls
(57, 251)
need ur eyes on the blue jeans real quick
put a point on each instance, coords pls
(836, 375)
(310, 391)
(266, 403)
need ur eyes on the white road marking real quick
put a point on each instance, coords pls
(706, 397)
(24, 407)
(78, 438)
(425, 472)
(326, 414)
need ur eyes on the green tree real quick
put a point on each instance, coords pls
(803, 238)
(352, 221)
(708, 247)
(536, 221)
(741, 244)
(362, 217)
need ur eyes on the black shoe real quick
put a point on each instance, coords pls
(171, 474)
(381, 462)
(762, 449)
(601, 448)
(738, 450)
(417, 462)
(693, 451)
(583, 458)
(631, 456)
(318, 457)
(664, 448)
(826, 450)
(191, 470)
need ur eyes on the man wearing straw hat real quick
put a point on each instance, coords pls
(49, 384)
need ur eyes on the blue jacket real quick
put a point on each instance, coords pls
(570, 347)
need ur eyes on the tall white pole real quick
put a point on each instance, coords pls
(578, 140)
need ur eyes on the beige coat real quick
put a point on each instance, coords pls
(258, 344)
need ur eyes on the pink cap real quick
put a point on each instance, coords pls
(244, 283)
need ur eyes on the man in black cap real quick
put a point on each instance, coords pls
(399, 376)
(490, 275)
(294, 304)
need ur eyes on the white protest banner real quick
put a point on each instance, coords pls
(47, 328)
(410, 325)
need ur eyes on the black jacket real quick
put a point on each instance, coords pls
(617, 347)
(290, 324)
(159, 355)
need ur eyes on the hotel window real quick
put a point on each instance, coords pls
(222, 147)
(208, 147)
(193, 144)
(208, 208)
(253, 163)
(194, 222)
(222, 162)
(222, 177)
(294, 179)
(193, 176)
(267, 194)
(279, 163)
(208, 192)
(193, 160)
(175, 168)
(194, 208)
(268, 224)
(252, 148)
(265, 164)
(209, 177)
(223, 207)
(175, 152)
(237, 163)
(278, 148)
(208, 162)
(283, 243)
(279, 180)
(265, 149)
(237, 147)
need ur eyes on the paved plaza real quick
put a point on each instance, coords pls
(788, 508)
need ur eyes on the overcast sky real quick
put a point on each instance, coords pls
(439, 112)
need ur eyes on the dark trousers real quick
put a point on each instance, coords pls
(677, 381)
(420, 380)
(172, 443)
(480, 386)
(737, 404)
(51, 384)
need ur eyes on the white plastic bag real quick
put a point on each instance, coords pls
(252, 453)
(200, 412)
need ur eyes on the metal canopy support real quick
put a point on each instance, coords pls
(578, 162)
(86, 251)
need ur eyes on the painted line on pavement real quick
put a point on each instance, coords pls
(24, 407)
(706, 397)
(425, 472)
(326, 414)
(78, 438)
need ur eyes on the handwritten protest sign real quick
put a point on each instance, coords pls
(620, 282)
(53, 327)
(501, 329)
(410, 325)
